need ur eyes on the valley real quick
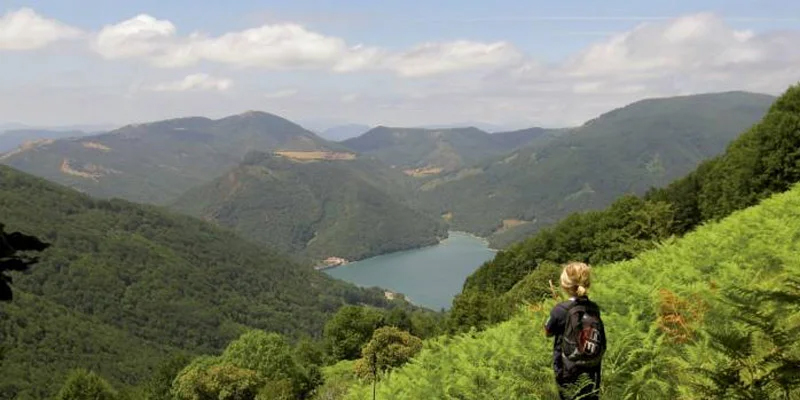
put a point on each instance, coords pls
(357, 200)
(255, 202)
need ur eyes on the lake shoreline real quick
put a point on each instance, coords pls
(428, 277)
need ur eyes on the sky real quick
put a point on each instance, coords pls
(515, 63)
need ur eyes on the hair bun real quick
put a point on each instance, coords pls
(581, 291)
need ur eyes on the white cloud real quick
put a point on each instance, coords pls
(277, 46)
(291, 46)
(24, 29)
(484, 81)
(195, 82)
(437, 58)
(696, 42)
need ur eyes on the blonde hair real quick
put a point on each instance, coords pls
(576, 278)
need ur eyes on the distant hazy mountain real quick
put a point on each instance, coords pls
(645, 144)
(424, 152)
(156, 162)
(11, 139)
(315, 204)
(484, 126)
(342, 132)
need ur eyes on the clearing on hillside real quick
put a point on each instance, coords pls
(315, 155)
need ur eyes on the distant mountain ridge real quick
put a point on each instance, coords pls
(12, 139)
(627, 150)
(156, 162)
(349, 208)
(432, 151)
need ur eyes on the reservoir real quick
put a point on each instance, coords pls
(429, 276)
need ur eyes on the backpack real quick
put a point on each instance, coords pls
(583, 342)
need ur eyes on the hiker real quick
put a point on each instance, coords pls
(580, 339)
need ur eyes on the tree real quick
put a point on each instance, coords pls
(257, 363)
(389, 348)
(212, 378)
(11, 244)
(85, 385)
(349, 329)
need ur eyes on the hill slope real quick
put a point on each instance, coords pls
(668, 313)
(431, 151)
(156, 162)
(628, 150)
(40, 341)
(321, 208)
(144, 275)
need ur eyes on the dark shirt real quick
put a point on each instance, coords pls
(555, 327)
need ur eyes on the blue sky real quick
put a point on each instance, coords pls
(511, 63)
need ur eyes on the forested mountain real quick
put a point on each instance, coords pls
(156, 162)
(122, 284)
(713, 315)
(302, 203)
(11, 139)
(648, 143)
(762, 161)
(422, 152)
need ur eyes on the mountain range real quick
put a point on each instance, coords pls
(425, 152)
(156, 162)
(126, 286)
(628, 150)
(388, 189)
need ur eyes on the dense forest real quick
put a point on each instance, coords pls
(120, 276)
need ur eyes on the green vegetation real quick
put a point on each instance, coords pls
(343, 208)
(256, 365)
(84, 385)
(447, 149)
(157, 162)
(679, 326)
(629, 150)
(123, 286)
(762, 161)
(388, 349)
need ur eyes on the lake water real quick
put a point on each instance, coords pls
(429, 277)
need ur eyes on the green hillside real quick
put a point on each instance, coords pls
(648, 143)
(352, 208)
(679, 325)
(156, 162)
(431, 151)
(762, 161)
(121, 278)
(40, 341)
